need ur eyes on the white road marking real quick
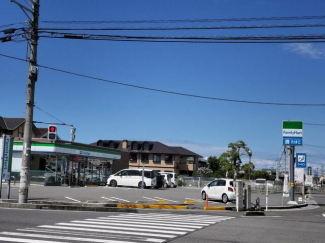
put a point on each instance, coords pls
(166, 199)
(150, 198)
(148, 223)
(120, 199)
(27, 241)
(108, 199)
(324, 215)
(91, 234)
(73, 199)
(152, 226)
(153, 220)
(169, 218)
(63, 237)
(107, 231)
(86, 224)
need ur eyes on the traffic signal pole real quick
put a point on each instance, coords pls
(32, 78)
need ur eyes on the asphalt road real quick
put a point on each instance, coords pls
(299, 225)
(131, 195)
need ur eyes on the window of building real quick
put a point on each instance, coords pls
(134, 146)
(168, 158)
(20, 134)
(133, 158)
(111, 144)
(156, 158)
(146, 146)
(144, 157)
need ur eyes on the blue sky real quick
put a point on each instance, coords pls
(288, 73)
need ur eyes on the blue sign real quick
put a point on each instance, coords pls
(301, 160)
(292, 141)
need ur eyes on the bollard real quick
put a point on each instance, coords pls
(258, 204)
(206, 200)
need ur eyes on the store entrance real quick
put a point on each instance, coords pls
(73, 173)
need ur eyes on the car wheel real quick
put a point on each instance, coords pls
(173, 185)
(204, 195)
(224, 198)
(113, 183)
(140, 185)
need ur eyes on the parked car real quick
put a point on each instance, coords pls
(133, 178)
(260, 182)
(219, 189)
(173, 178)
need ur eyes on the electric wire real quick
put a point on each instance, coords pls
(48, 114)
(167, 91)
(289, 18)
(189, 28)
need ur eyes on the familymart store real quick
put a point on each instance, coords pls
(66, 163)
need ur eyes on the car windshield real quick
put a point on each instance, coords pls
(231, 183)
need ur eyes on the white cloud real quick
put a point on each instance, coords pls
(307, 50)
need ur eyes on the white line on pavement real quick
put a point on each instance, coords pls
(63, 237)
(86, 224)
(108, 199)
(152, 226)
(73, 199)
(120, 199)
(150, 198)
(78, 228)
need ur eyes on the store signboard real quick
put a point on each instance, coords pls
(292, 133)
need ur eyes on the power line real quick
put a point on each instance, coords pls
(191, 27)
(317, 146)
(183, 20)
(222, 38)
(48, 114)
(166, 91)
(314, 124)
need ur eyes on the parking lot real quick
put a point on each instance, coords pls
(109, 194)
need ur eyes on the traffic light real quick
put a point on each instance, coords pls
(52, 131)
(72, 134)
(309, 170)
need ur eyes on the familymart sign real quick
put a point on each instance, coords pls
(292, 133)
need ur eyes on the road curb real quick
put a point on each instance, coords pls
(67, 207)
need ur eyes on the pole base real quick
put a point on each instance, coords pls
(292, 203)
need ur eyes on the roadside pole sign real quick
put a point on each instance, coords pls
(301, 160)
(292, 132)
(7, 145)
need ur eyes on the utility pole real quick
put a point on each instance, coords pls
(32, 78)
(292, 173)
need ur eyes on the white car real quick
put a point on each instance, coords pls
(219, 189)
(167, 179)
(173, 178)
(133, 177)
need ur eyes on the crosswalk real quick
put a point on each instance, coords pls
(120, 228)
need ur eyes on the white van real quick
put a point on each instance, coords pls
(133, 177)
(173, 178)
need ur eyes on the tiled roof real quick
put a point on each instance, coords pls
(11, 123)
(154, 147)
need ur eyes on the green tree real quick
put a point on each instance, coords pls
(213, 162)
(237, 149)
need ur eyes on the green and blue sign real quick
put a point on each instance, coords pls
(292, 133)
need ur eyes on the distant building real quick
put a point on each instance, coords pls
(154, 155)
